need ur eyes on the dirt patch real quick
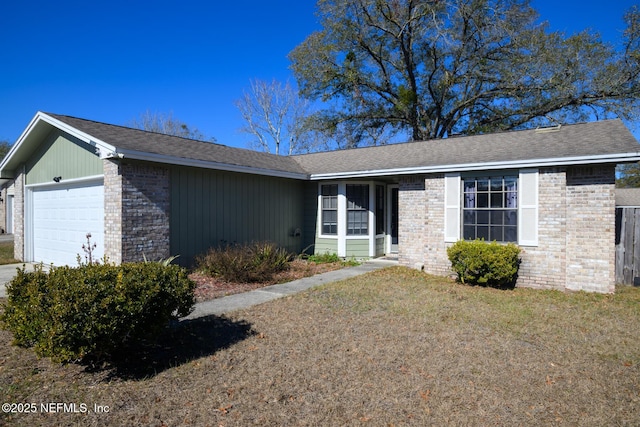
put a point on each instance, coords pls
(208, 287)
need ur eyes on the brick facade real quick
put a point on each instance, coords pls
(137, 209)
(576, 229)
(591, 228)
(544, 266)
(412, 223)
(18, 223)
(112, 211)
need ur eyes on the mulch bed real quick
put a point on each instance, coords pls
(208, 287)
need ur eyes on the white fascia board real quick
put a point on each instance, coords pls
(16, 146)
(516, 164)
(104, 150)
(181, 161)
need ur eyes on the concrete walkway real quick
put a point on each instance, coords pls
(223, 305)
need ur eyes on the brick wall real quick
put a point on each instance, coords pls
(576, 229)
(544, 266)
(3, 210)
(412, 221)
(436, 261)
(591, 228)
(137, 206)
(18, 217)
(112, 211)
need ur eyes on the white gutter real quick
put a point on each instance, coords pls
(512, 164)
(182, 161)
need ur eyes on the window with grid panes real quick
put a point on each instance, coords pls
(357, 209)
(490, 208)
(329, 195)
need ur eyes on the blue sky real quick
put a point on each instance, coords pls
(112, 61)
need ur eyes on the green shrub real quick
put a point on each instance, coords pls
(254, 262)
(94, 310)
(488, 264)
(325, 258)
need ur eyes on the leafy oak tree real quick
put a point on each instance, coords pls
(430, 69)
(628, 175)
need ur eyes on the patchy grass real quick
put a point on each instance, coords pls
(393, 347)
(6, 253)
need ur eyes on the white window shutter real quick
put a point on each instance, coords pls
(528, 208)
(452, 202)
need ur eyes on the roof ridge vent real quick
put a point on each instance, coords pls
(548, 129)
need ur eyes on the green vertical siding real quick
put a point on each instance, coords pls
(357, 248)
(214, 208)
(311, 218)
(65, 156)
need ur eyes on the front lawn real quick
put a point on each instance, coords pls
(393, 347)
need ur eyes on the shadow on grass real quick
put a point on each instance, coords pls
(180, 343)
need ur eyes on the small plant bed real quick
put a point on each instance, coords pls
(210, 287)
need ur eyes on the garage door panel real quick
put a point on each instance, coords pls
(62, 217)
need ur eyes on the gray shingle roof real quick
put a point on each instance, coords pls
(601, 138)
(173, 146)
(586, 139)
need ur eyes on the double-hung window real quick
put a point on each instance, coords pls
(500, 206)
(330, 209)
(357, 209)
(490, 208)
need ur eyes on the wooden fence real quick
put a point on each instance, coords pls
(628, 246)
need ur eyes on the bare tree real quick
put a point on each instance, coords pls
(275, 117)
(168, 125)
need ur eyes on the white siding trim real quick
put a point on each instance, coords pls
(342, 219)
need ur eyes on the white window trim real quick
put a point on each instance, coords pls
(528, 205)
(342, 236)
(319, 204)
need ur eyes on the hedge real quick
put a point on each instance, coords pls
(94, 310)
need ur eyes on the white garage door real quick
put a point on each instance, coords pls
(62, 217)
